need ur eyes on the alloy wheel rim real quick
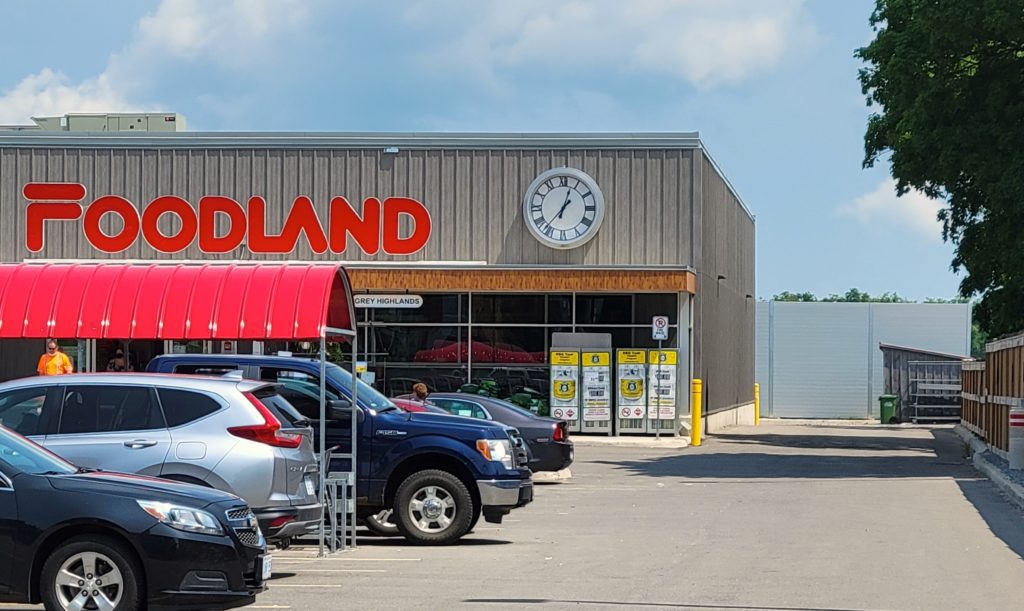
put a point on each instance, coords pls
(89, 581)
(432, 509)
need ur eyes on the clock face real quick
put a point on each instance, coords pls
(563, 208)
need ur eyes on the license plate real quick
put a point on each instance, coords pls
(268, 567)
(310, 487)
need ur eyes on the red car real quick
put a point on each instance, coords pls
(410, 405)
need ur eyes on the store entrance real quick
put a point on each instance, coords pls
(123, 355)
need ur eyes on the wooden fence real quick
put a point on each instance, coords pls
(991, 387)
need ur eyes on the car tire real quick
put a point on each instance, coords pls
(382, 523)
(433, 508)
(108, 559)
(476, 518)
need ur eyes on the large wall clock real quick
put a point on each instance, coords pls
(563, 208)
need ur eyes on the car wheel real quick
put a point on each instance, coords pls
(92, 572)
(433, 508)
(382, 523)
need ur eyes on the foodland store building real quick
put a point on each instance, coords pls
(502, 240)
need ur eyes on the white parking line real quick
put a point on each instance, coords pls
(311, 585)
(300, 559)
(305, 570)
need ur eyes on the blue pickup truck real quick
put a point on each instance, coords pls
(426, 476)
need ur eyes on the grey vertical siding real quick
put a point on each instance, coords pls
(667, 205)
(821, 360)
(763, 357)
(474, 197)
(725, 307)
(820, 354)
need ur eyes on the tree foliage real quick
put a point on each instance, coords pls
(852, 295)
(787, 296)
(947, 79)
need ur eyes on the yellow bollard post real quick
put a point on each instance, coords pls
(757, 404)
(696, 391)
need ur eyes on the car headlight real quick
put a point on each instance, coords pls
(183, 518)
(498, 450)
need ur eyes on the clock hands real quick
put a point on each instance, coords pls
(568, 200)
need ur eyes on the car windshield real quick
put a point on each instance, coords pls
(368, 395)
(26, 456)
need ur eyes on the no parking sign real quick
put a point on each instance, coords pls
(659, 328)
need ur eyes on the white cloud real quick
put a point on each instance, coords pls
(221, 32)
(707, 44)
(232, 34)
(49, 93)
(914, 210)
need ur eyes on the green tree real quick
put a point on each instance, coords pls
(978, 340)
(788, 296)
(947, 79)
(858, 296)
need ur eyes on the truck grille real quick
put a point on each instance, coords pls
(242, 513)
(252, 538)
(247, 529)
(520, 457)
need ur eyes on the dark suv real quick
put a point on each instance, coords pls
(75, 538)
(436, 474)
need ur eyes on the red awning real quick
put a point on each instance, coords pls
(175, 301)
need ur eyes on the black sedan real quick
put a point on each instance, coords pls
(548, 438)
(74, 538)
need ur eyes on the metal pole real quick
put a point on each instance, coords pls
(323, 437)
(757, 404)
(350, 499)
(696, 390)
(657, 392)
(647, 393)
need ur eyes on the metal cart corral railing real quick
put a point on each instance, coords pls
(935, 388)
(340, 500)
(331, 481)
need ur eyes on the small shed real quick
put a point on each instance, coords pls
(927, 382)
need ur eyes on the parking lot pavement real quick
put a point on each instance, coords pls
(782, 517)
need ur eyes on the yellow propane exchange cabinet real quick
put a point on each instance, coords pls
(565, 387)
(596, 393)
(647, 391)
(631, 402)
(662, 380)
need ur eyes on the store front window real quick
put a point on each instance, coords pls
(499, 340)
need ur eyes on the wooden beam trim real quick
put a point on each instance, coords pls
(552, 280)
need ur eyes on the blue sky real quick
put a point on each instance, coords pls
(770, 85)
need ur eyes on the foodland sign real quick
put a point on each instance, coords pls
(374, 230)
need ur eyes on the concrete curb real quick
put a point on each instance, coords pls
(660, 443)
(552, 476)
(1011, 489)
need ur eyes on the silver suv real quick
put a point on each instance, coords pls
(235, 435)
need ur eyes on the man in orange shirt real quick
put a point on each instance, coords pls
(54, 362)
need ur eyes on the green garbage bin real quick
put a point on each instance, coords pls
(887, 409)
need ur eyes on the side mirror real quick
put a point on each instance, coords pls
(341, 409)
